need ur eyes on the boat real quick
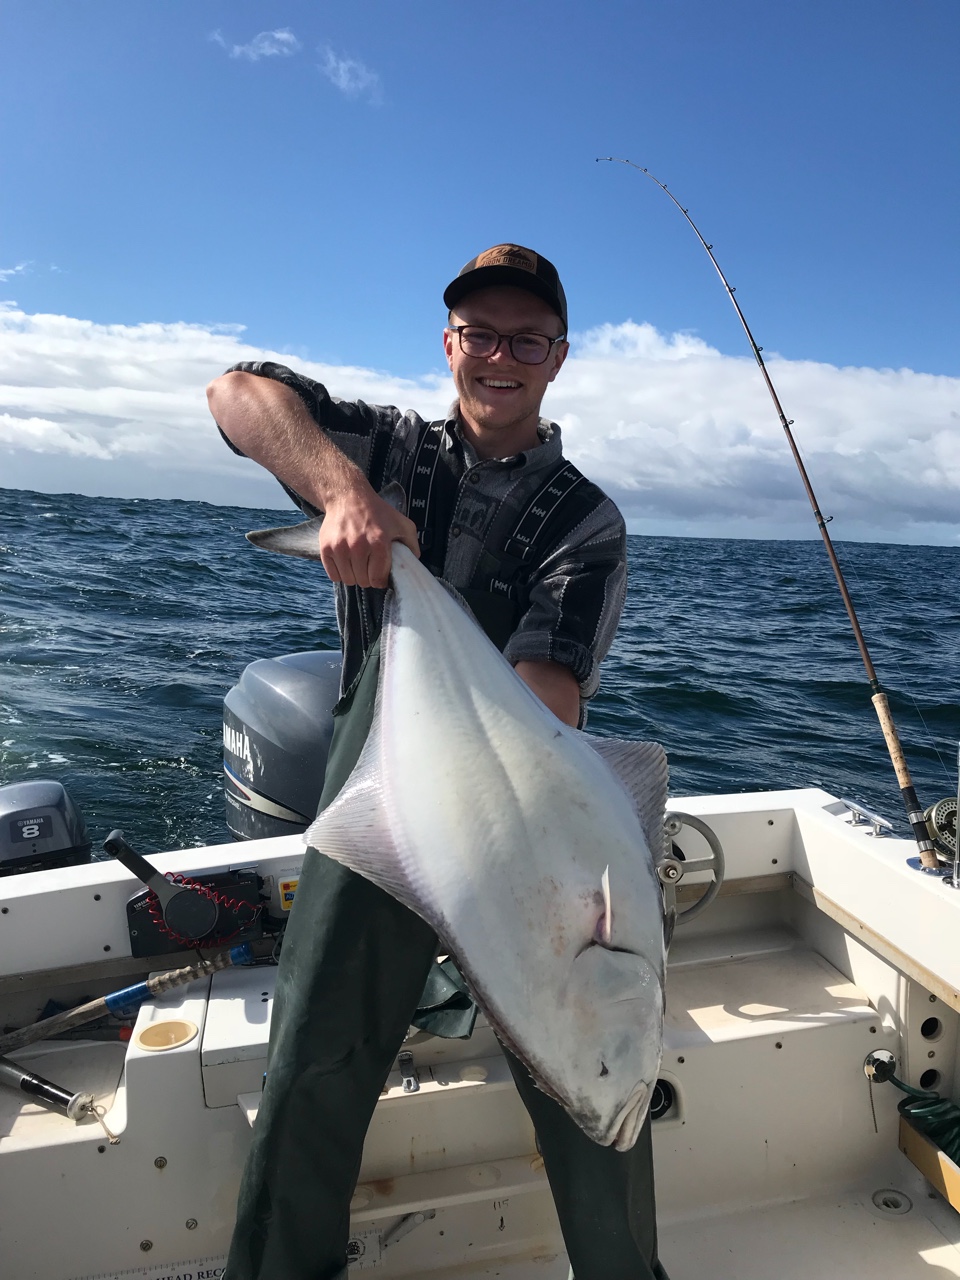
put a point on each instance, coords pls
(813, 977)
(813, 963)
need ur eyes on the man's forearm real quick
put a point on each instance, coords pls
(270, 424)
(555, 685)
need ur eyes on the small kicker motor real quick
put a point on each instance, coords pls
(40, 828)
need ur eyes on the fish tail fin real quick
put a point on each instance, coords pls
(394, 494)
(302, 540)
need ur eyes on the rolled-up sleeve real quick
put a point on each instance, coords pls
(574, 600)
(363, 432)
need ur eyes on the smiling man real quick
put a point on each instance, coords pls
(499, 389)
(539, 554)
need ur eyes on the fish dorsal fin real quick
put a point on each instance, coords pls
(301, 540)
(354, 830)
(643, 772)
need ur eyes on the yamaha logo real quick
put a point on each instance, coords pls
(238, 744)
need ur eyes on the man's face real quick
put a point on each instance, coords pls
(500, 396)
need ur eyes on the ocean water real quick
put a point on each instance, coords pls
(124, 623)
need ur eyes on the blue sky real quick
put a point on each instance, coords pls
(171, 164)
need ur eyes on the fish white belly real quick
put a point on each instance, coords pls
(500, 825)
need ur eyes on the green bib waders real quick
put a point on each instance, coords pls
(353, 967)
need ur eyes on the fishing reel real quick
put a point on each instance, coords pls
(941, 820)
(672, 868)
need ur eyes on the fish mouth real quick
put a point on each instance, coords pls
(630, 1120)
(607, 946)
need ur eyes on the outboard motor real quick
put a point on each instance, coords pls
(277, 726)
(40, 827)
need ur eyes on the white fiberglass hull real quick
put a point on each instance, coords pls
(823, 946)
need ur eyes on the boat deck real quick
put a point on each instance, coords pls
(835, 1237)
(773, 1161)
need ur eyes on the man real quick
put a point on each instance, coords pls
(539, 554)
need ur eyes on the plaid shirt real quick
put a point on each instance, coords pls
(570, 601)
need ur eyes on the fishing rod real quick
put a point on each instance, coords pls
(915, 815)
(125, 1003)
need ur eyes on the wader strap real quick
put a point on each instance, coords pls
(424, 472)
(561, 481)
(503, 572)
(498, 616)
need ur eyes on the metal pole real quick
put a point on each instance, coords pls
(928, 855)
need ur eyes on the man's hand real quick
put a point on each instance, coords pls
(356, 535)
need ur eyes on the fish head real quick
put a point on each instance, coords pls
(613, 1004)
(597, 1042)
(591, 1036)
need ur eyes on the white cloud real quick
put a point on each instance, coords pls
(20, 269)
(120, 409)
(267, 44)
(692, 437)
(41, 435)
(350, 76)
(684, 438)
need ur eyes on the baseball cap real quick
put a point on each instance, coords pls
(514, 265)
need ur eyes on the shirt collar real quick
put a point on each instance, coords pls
(544, 455)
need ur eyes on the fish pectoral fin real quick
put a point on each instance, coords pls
(605, 924)
(644, 774)
(669, 924)
(301, 540)
(354, 831)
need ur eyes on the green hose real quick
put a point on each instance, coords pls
(938, 1118)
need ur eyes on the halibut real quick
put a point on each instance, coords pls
(528, 846)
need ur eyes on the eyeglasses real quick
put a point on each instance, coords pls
(526, 348)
